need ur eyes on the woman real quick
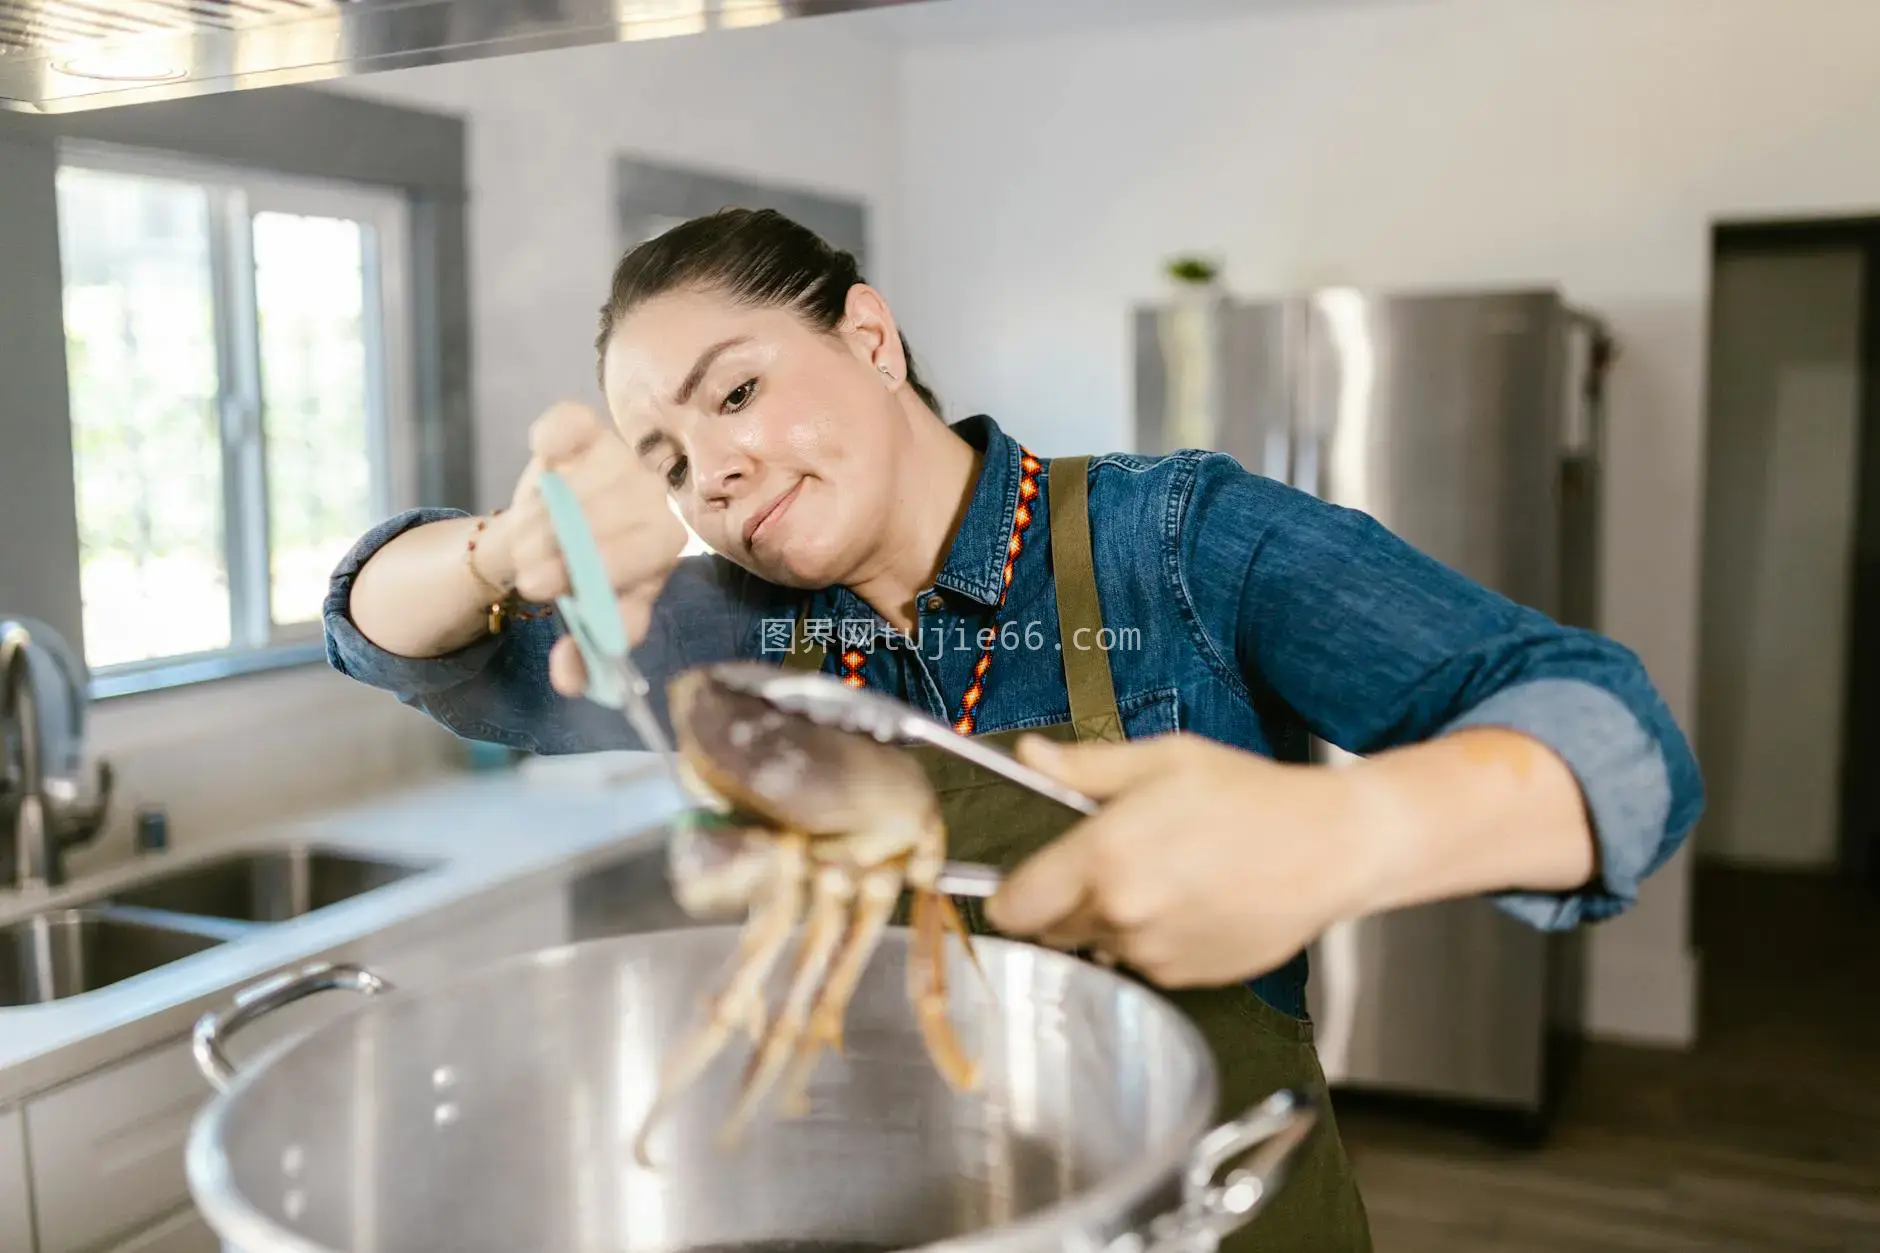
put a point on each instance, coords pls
(1089, 607)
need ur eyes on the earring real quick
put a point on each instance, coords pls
(884, 369)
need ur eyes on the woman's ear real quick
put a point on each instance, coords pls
(868, 326)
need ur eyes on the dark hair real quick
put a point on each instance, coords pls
(757, 256)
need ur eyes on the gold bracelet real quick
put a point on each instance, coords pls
(507, 604)
(470, 556)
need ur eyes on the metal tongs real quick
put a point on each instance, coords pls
(828, 701)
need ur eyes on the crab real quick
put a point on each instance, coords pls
(815, 828)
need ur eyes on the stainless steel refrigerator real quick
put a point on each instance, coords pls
(1469, 423)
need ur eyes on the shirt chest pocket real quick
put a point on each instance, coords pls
(1154, 712)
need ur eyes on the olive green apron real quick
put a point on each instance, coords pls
(1257, 1048)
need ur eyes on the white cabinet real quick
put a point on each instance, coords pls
(183, 1232)
(107, 1151)
(16, 1224)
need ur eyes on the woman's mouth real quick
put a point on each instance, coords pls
(760, 523)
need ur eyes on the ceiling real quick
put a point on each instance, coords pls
(66, 55)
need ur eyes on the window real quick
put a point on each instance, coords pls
(239, 369)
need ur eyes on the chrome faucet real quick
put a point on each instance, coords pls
(41, 816)
(29, 859)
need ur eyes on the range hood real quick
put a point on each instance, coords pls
(61, 56)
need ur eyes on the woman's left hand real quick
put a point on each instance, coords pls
(1207, 864)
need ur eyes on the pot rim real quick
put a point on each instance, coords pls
(1108, 1204)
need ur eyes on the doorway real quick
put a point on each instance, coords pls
(1789, 673)
(1787, 905)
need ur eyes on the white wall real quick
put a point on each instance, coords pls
(1585, 142)
(1778, 546)
(246, 753)
(805, 102)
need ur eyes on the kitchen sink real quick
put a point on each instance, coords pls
(66, 952)
(175, 913)
(262, 886)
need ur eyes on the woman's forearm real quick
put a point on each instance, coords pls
(1479, 810)
(416, 596)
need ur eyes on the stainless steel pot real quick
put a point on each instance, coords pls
(496, 1112)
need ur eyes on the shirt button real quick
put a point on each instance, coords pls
(935, 604)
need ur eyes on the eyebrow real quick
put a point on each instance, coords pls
(649, 441)
(704, 363)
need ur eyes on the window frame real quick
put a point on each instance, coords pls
(238, 193)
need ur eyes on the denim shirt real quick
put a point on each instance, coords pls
(1239, 608)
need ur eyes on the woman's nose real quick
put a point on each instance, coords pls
(723, 471)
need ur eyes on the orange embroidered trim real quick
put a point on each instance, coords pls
(853, 659)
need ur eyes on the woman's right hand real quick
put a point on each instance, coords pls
(639, 537)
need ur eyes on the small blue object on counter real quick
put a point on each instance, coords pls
(153, 829)
(486, 758)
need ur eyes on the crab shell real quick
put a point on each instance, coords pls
(793, 773)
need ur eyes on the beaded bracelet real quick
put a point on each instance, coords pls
(507, 604)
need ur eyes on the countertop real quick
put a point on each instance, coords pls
(493, 833)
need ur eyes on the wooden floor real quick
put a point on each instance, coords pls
(1765, 1137)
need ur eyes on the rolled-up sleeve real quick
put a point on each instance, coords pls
(497, 689)
(1374, 645)
(1624, 779)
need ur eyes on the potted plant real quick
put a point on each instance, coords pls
(1194, 271)
(1195, 278)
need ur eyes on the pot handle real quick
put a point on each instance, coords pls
(264, 998)
(1271, 1133)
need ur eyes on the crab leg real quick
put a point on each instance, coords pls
(927, 988)
(878, 891)
(951, 920)
(829, 903)
(741, 1003)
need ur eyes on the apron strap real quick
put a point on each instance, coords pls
(1080, 617)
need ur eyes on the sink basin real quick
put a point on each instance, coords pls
(266, 886)
(67, 952)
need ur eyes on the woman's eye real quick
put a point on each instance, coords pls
(740, 395)
(675, 473)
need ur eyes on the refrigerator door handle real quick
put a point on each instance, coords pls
(1586, 418)
(1301, 399)
(1337, 959)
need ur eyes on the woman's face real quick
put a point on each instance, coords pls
(777, 442)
